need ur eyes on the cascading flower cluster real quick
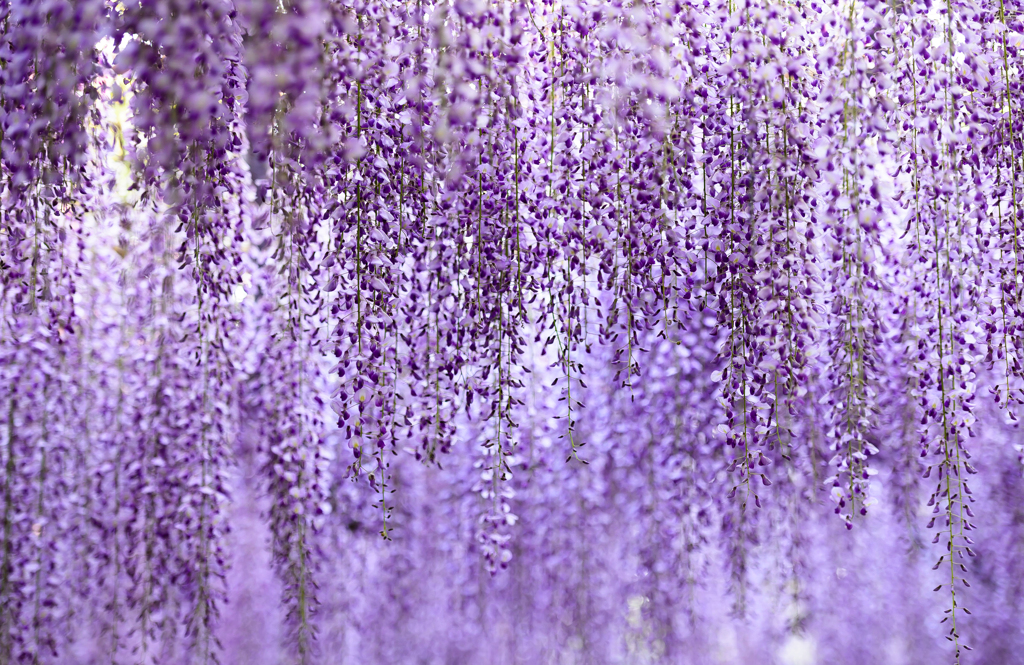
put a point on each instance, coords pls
(539, 331)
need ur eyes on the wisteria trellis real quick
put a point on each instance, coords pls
(594, 310)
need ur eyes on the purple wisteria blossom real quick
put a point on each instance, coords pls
(567, 331)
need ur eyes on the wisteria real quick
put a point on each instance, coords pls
(568, 331)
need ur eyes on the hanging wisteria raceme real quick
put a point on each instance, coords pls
(465, 331)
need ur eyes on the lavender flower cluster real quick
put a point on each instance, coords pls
(453, 331)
